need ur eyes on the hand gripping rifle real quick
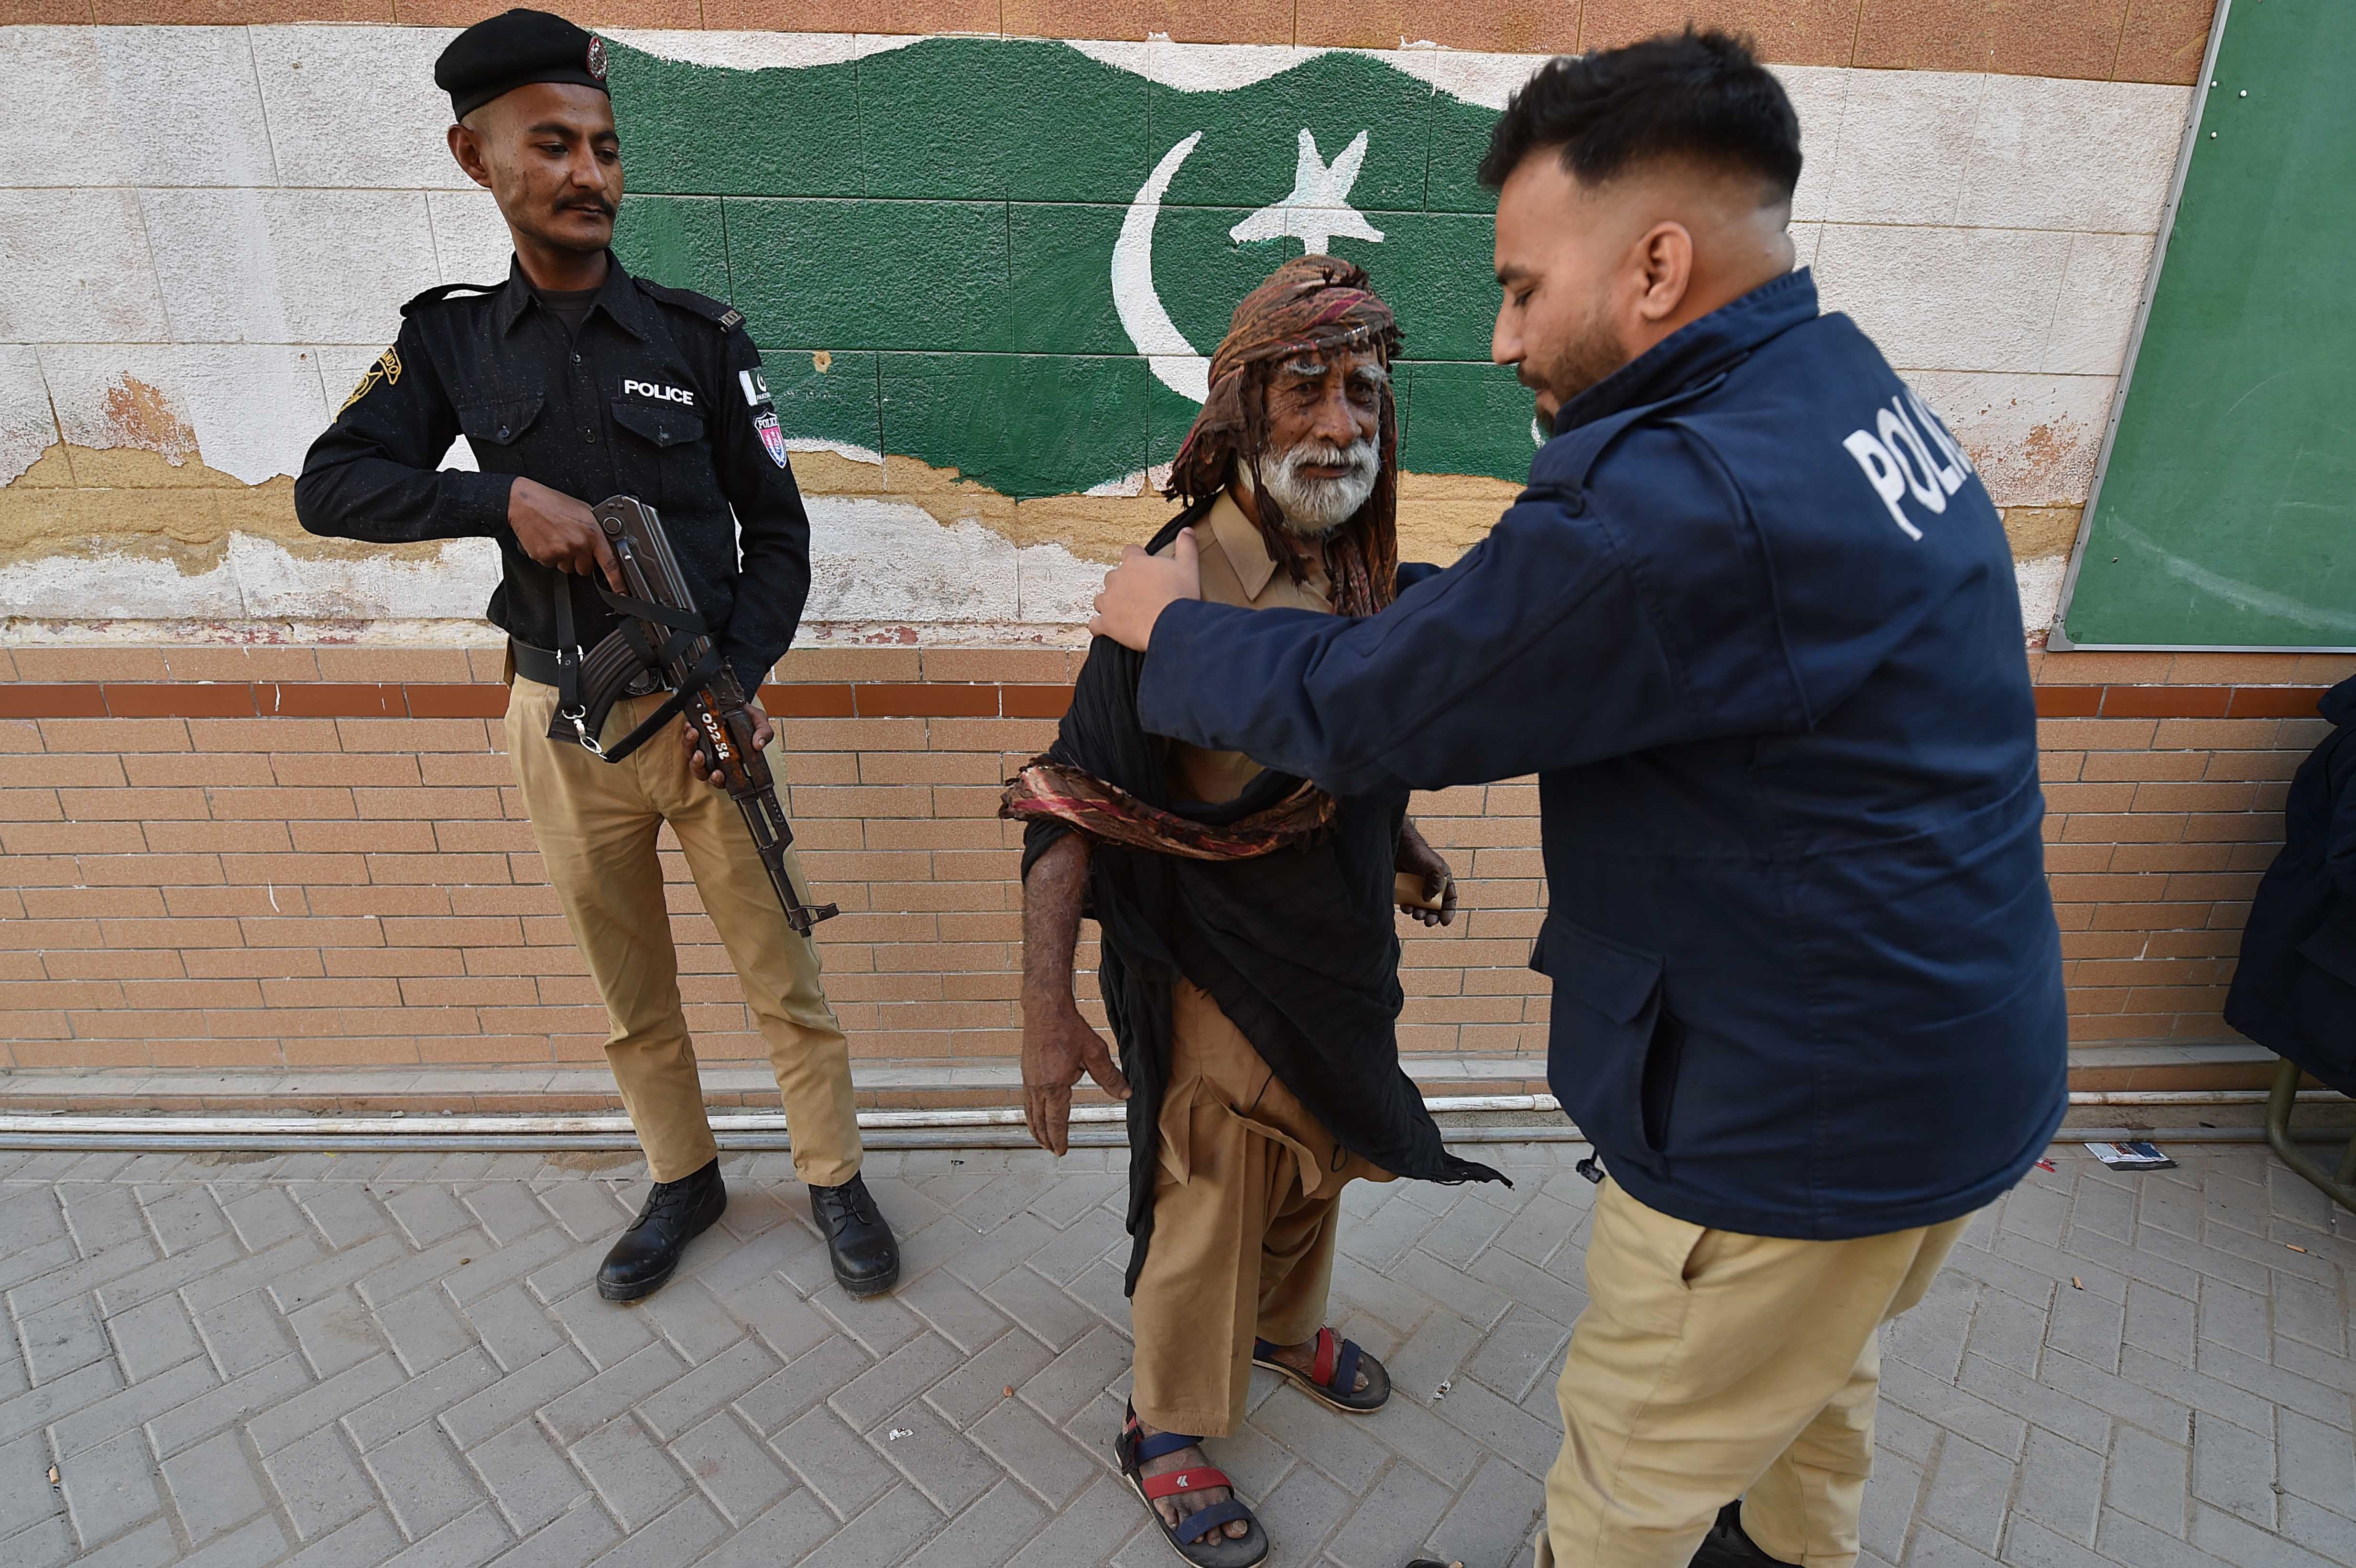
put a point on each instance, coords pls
(664, 635)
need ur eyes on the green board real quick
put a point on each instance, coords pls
(926, 243)
(2224, 514)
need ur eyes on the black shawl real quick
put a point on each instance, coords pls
(1297, 948)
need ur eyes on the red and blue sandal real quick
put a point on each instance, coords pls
(1333, 1377)
(1132, 1448)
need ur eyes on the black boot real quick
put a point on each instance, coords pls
(858, 1238)
(1727, 1546)
(676, 1214)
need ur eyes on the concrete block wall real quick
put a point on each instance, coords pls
(253, 813)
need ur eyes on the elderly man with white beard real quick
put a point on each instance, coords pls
(1249, 959)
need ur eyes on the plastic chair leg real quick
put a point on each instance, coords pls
(2341, 1189)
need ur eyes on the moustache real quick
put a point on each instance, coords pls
(597, 205)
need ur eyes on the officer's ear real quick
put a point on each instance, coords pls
(467, 146)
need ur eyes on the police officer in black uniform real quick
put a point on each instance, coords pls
(572, 381)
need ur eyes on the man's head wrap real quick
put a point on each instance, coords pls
(1311, 305)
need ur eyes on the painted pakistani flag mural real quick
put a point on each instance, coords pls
(1014, 258)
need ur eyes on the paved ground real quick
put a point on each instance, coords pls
(371, 1358)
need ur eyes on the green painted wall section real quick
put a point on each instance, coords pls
(940, 220)
(2226, 515)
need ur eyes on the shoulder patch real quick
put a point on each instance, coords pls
(441, 292)
(727, 316)
(385, 371)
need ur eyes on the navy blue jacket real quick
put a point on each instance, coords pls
(2295, 992)
(1754, 625)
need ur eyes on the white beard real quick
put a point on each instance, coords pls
(1316, 507)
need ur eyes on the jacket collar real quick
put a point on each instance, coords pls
(617, 296)
(1240, 538)
(1697, 349)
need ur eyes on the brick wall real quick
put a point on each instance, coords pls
(281, 857)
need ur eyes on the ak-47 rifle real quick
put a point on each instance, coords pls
(664, 634)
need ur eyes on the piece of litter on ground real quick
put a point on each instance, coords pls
(2138, 1156)
(2047, 1165)
(1008, 1391)
(53, 1475)
(2293, 1246)
(1441, 1391)
(2077, 1284)
(896, 1433)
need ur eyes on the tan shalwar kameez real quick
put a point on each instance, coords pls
(1247, 1202)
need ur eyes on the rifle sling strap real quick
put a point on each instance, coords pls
(619, 658)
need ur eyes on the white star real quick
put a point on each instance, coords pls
(1319, 207)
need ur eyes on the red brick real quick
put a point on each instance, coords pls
(310, 769)
(809, 700)
(92, 903)
(170, 769)
(330, 700)
(152, 871)
(190, 699)
(2068, 701)
(18, 701)
(413, 734)
(475, 699)
(915, 700)
(2274, 702)
(111, 964)
(2165, 701)
(1035, 701)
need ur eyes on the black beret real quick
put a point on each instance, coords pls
(516, 49)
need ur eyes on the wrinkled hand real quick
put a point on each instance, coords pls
(1057, 1045)
(1142, 586)
(1420, 858)
(762, 735)
(558, 531)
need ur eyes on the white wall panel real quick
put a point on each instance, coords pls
(1905, 138)
(108, 106)
(27, 427)
(253, 410)
(470, 238)
(1946, 299)
(2033, 438)
(2094, 155)
(356, 106)
(76, 269)
(2093, 314)
(289, 266)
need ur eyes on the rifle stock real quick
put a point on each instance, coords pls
(714, 704)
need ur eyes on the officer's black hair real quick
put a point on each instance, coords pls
(1699, 95)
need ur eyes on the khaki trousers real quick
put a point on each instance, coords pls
(595, 824)
(1710, 1365)
(1247, 1206)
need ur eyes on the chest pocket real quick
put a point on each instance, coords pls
(659, 422)
(491, 423)
(666, 464)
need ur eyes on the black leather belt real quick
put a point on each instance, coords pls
(540, 665)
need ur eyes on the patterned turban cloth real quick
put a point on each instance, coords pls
(1310, 304)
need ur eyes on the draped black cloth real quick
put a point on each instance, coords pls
(1297, 946)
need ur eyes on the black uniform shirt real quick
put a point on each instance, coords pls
(659, 395)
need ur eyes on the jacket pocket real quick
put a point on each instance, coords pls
(1612, 1048)
(497, 422)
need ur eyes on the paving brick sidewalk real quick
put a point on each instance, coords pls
(365, 1359)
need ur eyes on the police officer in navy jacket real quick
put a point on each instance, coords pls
(1754, 626)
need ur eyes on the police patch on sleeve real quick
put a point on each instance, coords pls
(756, 388)
(773, 436)
(386, 369)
